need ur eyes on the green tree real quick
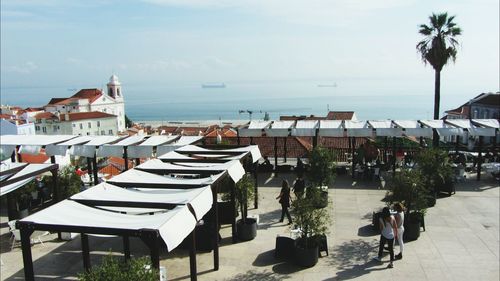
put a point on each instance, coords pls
(128, 123)
(437, 48)
(113, 268)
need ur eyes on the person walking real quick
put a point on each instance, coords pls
(284, 200)
(388, 230)
(400, 219)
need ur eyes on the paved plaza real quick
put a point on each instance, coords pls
(461, 242)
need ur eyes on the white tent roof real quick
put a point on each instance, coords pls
(33, 139)
(253, 149)
(442, 128)
(19, 170)
(200, 199)
(331, 128)
(234, 168)
(173, 225)
(384, 128)
(138, 177)
(473, 130)
(413, 128)
(185, 140)
(279, 129)
(305, 128)
(491, 123)
(357, 128)
(173, 155)
(254, 129)
(131, 140)
(158, 140)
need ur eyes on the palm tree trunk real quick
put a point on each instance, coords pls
(437, 98)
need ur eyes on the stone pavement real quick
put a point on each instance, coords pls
(461, 242)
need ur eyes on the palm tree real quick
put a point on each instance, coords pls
(437, 47)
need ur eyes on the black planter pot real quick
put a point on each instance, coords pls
(306, 257)
(248, 230)
(412, 230)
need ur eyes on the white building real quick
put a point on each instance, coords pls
(93, 100)
(11, 127)
(76, 123)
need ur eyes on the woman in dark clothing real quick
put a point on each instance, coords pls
(284, 199)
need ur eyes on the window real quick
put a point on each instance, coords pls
(81, 126)
(74, 125)
(37, 128)
(110, 132)
(110, 90)
(98, 123)
(486, 113)
(103, 132)
(475, 113)
(104, 110)
(55, 128)
(90, 125)
(44, 129)
(88, 133)
(118, 92)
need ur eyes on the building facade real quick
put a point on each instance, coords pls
(76, 123)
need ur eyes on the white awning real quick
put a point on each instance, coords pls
(173, 155)
(55, 149)
(384, 128)
(110, 150)
(357, 128)
(173, 225)
(490, 123)
(158, 140)
(83, 150)
(200, 199)
(13, 186)
(131, 140)
(185, 140)
(443, 129)
(138, 177)
(204, 152)
(234, 168)
(254, 129)
(473, 130)
(412, 128)
(254, 151)
(305, 128)
(279, 129)
(101, 140)
(331, 128)
(18, 170)
(139, 151)
(33, 139)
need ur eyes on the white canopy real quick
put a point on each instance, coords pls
(490, 123)
(89, 148)
(473, 130)
(253, 149)
(173, 155)
(384, 128)
(6, 150)
(158, 140)
(19, 170)
(442, 128)
(173, 225)
(305, 128)
(110, 150)
(13, 186)
(413, 128)
(234, 168)
(357, 128)
(200, 199)
(254, 129)
(61, 148)
(41, 140)
(331, 128)
(279, 129)
(138, 177)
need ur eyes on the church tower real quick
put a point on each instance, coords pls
(114, 88)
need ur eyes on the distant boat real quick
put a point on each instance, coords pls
(213, 85)
(334, 85)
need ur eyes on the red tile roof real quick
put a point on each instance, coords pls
(54, 101)
(5, 116)
(85, 115)
(45, 115)
(33, 109)
(90, 94)
(340, 115)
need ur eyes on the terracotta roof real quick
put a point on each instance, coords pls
(20, 112)
(340, 115)
(45, 115)
(5, 116)
(33, 109)
(90, 94)
(55, 100)
(301, 117)
(67, 101)
(35, 159)
(85, 115)
(462, 110)
(110, 171)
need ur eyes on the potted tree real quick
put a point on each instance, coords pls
(23, 204)
(437, 172)
(69, 184)
(407, 187)
(246, 228)
(320, 174)
(227, 212)
(312, 223)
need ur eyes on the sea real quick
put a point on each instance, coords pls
(370, 99)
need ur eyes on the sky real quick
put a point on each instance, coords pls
(76, 44)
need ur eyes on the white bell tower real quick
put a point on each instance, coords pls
(115, 88)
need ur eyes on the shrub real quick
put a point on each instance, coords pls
(311, 221)
(116, 269)
(322, 167)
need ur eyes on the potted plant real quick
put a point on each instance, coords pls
(69, 183)
(246, 228)
(24, 204)
(227, 212)
(407, 187)
(437, 172)
(113, 268)
(320, 174)
(312, 223)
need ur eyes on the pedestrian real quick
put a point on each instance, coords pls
(400, 219)
(284, 200)
(299, 186)
(388, 230)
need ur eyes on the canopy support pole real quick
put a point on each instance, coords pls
(457, 143)
(85, 251)
(26, 232)
(233, 212)
(192, 256)
(11, 207)
(13, 156)
(480, 158)
(256, 178)
(238, 137)
(89, 168)
(94, 170)
(125, 157)
(393, 156)
(285, 149)
(150, 237)
(251, 141)
(216, 230)
(353, 160)
(275, 156)
(55, 192)
(386, 146)
(126, 247)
